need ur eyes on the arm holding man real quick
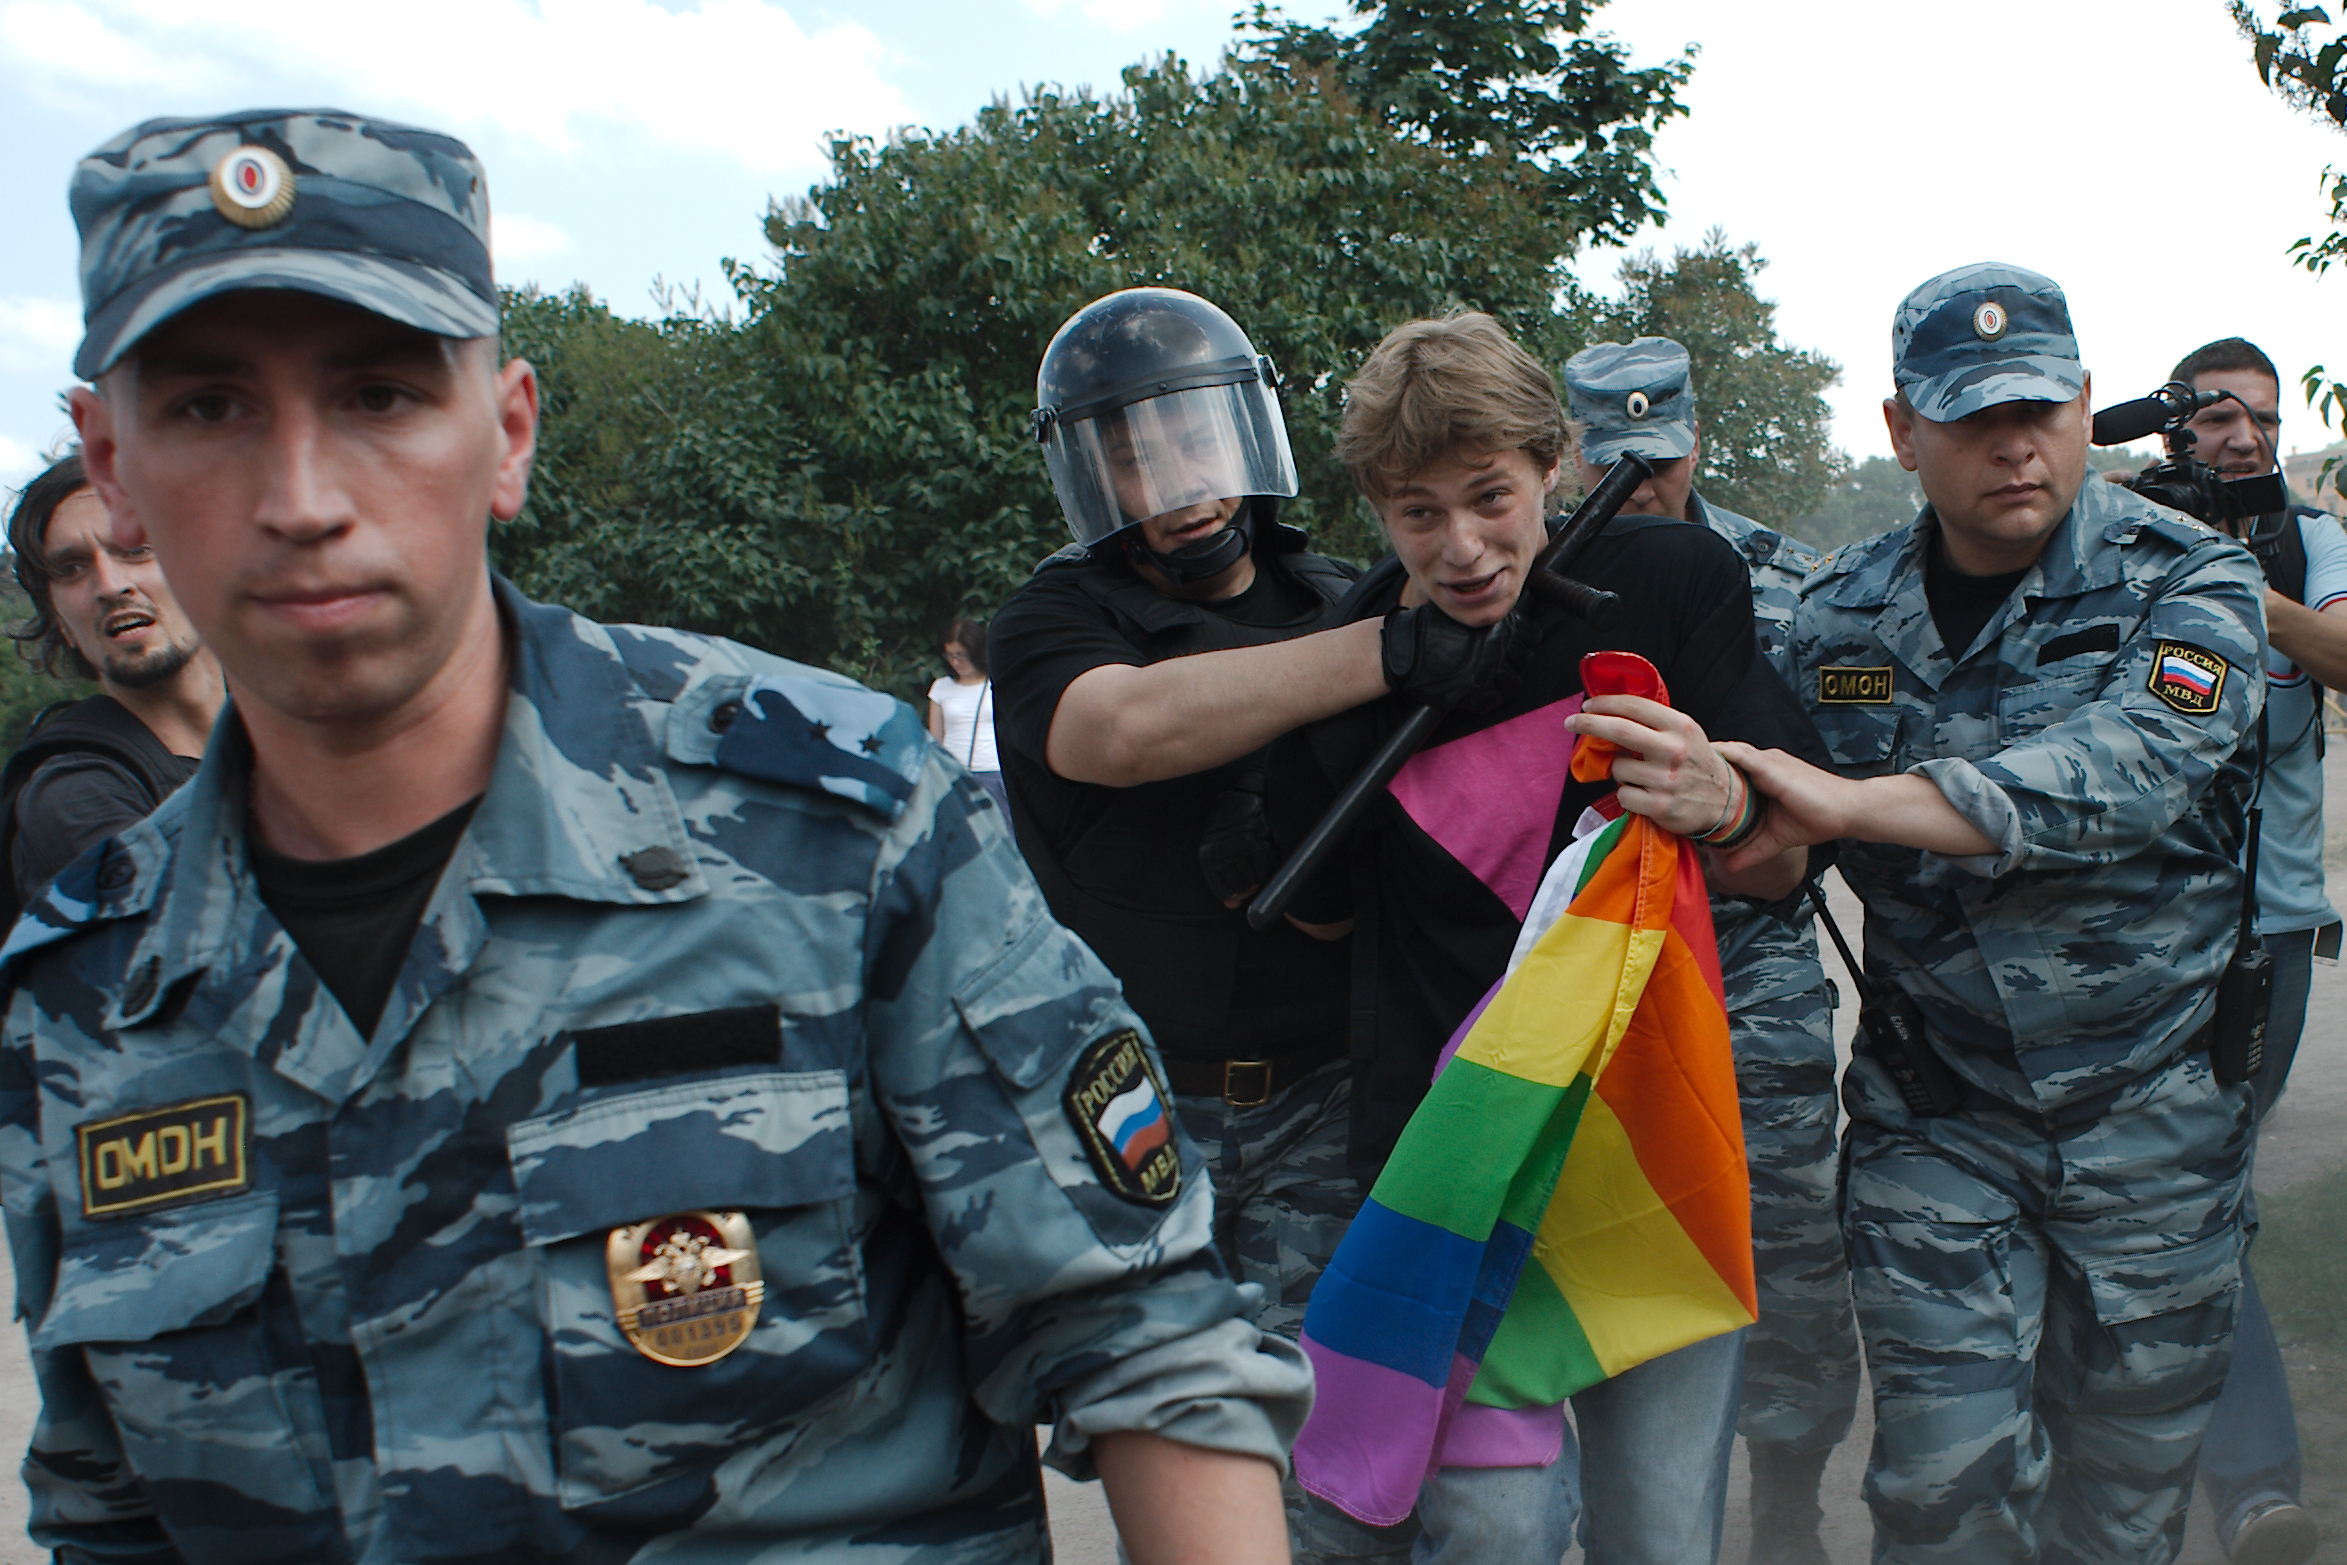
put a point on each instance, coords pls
(2037, 698)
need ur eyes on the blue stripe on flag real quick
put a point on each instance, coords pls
(1408, 1320)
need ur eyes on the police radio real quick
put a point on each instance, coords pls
(1890, 1032)
(2245, 993)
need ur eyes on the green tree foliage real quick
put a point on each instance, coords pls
(838, 462)
(1525, 78)
(1873, 497)
(24, 689)
(1766, 450)
(2302, 55)
(848, 466)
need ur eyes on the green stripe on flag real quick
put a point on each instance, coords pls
(1529, 1194)
(1540, 1354)
(1465, 1145)
(1600, 845)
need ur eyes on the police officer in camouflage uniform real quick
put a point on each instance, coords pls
(546, 1090)
(2034, 695)
(1801, 1358)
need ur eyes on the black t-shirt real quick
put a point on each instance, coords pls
(1120, 865)
(1454, 848)
(1962, 605)
(354, 919)
(71, 804)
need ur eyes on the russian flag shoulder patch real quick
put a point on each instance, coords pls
(1124, 1116)
(2187, 677)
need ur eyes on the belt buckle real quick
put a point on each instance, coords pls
(1230, 1080)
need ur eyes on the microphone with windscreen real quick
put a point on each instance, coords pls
(2164, 409)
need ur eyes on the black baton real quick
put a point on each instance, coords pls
(1547, 579)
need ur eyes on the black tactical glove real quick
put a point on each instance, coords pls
(1432, 658)
(1234, 848)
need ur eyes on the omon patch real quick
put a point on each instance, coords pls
(192, 1151)
(1854, 686)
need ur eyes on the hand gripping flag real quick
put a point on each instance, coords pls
(1568, 1202)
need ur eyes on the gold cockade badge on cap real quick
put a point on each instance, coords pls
(685, 1288)
(252, 187)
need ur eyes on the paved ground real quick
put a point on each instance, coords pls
(2306, 1136)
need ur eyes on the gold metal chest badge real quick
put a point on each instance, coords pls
(685, 1288)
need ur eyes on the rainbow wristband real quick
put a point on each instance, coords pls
(1747, 811)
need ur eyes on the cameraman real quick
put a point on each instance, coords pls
(2249, 1462)
(2036, 696)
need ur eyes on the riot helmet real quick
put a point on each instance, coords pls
(1151, 400)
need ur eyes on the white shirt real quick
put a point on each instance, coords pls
(969, 722)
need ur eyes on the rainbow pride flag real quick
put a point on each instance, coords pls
(1569, 1201)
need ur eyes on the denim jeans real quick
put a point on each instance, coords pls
(1646, 1480)
(1653, 1469)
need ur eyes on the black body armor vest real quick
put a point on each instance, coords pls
(1128, 879)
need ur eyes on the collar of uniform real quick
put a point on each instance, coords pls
(1893, 578)
(1756, 543)
(1868, 573)
(579, 804)
(2081, 559)
(572, 802)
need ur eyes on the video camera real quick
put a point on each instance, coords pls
(2180, 480)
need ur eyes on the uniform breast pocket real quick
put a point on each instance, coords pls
(2024, 710)
(700, 1281)
(219, 1416)
(1862, 738)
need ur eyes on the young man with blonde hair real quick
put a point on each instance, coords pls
(1456, 438)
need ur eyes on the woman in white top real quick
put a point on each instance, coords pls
(961, 707)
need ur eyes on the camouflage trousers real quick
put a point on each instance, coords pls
(1282, 1197)
(1801, 1360)
(1282, 1202)
(2047, 1312)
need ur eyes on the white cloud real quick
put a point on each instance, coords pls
(514, 236)
(39, 335)
(18, 463)
(1124, 16)
(739, 78)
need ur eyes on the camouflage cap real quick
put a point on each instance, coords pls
(385, 217)
(1632, 397)
(1984, 334)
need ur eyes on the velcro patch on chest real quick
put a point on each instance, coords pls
(199, 1150)
(2188, 678)
(1854, 686)
(1124, 1117)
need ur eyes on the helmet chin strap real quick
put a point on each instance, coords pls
(1207, 557)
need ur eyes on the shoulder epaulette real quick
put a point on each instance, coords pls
(76, 900)
(835, 737)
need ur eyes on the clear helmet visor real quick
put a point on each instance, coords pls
(1168, 453)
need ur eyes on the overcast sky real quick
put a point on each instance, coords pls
(2127, 151)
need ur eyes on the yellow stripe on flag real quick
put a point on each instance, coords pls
(1567, 1006)
(1605, 1232)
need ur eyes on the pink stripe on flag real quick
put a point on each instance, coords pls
(1490, 798)
(1505, 1436)
(1364, 1464)
(1451, 1048)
